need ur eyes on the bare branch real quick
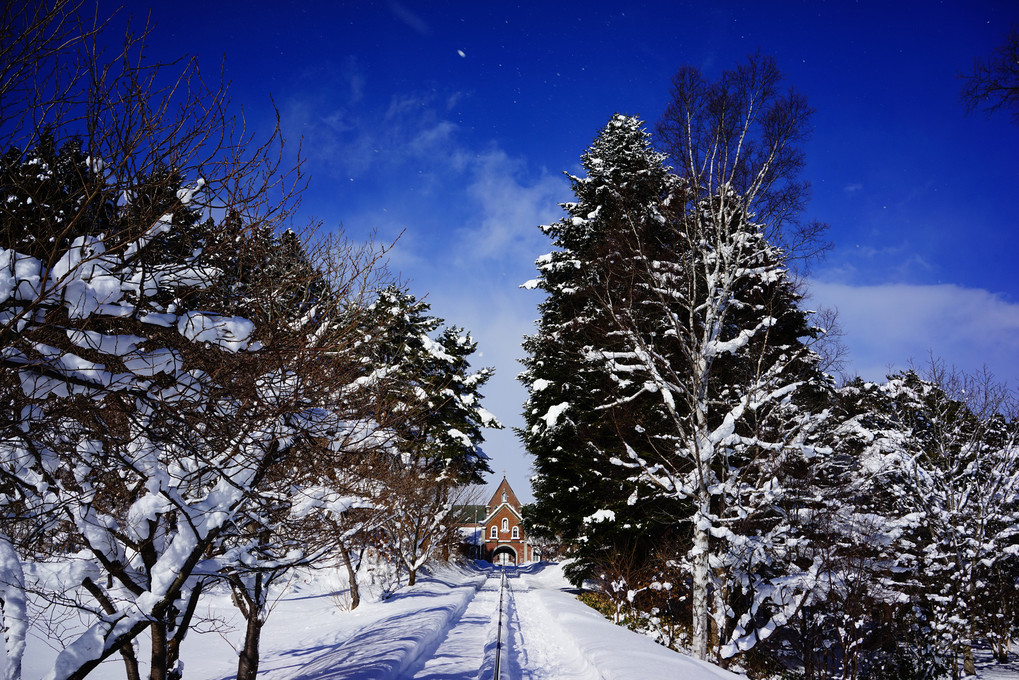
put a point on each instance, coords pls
(993, 84)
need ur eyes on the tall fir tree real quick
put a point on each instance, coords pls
(431, 400)
(671, 382)
(621, 194)
(429, 386)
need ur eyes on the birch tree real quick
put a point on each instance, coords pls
(743, 134)
(726, 357)
(718, 337)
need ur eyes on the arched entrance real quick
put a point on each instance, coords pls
(504, 555)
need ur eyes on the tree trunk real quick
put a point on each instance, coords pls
(247, 664)
(158, 669)
(719, 632)
(701, 577)
(250, 603)
(413, 577)
(183, 626)
(969, 666)
(355, 592)
(131, 671)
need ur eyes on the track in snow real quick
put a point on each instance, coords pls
(539, 648)
(534, 646)
(461, 654)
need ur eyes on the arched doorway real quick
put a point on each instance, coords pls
(505, 556)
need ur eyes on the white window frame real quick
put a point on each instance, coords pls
(516, 532)
(495, 532)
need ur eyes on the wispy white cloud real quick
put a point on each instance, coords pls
(415, 22)
(887, 326)
(345, 138)
(469, 212)
(511, 203)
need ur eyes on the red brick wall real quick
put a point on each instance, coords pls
(505, 505)
(505, 538)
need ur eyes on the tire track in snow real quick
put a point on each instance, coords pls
(412, 625)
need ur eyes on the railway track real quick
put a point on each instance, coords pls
(470, 648)
(505, 634)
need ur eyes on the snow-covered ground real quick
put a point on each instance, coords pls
(443, 628)
(987, 669)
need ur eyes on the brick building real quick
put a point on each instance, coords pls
(505, 541)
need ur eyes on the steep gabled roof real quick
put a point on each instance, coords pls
(510, 497)
(494, 511)
(503, 491)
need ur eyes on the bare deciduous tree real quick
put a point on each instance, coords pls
(155, 386)
(743, 133)
(993, 84)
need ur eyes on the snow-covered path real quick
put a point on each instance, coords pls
(539, 648)
(462, 653)
(444, 627)
(534, 647)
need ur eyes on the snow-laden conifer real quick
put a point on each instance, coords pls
(431, 399)
(963, 474)
(913, 521)
(622, 191)
(672, 372)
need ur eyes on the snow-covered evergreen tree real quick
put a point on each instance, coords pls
(431, 400)
(672, 362)
(856, 619)
(576, 489)
(914, 526)
(964, 480)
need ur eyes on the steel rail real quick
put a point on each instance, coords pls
(498, 638)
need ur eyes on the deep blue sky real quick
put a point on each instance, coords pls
(452, 123)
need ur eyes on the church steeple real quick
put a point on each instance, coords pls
(504, 494)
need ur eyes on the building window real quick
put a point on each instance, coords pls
(495, 532)
(505, 524)
(516, 532)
